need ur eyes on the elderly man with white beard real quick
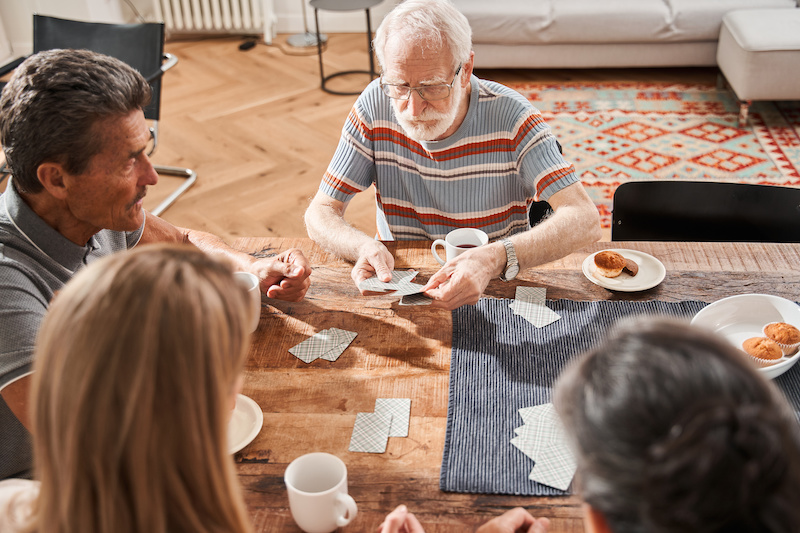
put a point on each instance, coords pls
(445, 150)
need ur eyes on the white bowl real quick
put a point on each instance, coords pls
(738, 318)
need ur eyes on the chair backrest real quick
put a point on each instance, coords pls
(139, 45)
(705, 212)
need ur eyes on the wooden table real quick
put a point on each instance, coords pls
(404, 352)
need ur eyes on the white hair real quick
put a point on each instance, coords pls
(436, 24)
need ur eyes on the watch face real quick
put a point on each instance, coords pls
(512, 271)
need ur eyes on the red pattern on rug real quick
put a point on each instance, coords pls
(618, 132)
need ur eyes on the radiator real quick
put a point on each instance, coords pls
(217, 17)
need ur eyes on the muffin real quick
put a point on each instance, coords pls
(609, 264)
(765, 351)
(786, 335)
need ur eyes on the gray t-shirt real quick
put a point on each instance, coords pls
(35, 262)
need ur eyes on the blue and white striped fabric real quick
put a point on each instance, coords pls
(502, 157)
(501, 363)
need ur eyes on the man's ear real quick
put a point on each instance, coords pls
(466, 73)
(51, 176)
(594, 521)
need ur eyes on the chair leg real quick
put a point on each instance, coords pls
(188, 174)
(744, 109)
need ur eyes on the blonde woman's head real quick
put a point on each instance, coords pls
(135, 366)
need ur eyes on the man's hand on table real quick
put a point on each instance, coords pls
(516, 520)
(461, 280)
(285, 276)
(374, 259)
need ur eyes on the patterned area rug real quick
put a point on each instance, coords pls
(615, 133)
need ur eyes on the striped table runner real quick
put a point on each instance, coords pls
(500, 363)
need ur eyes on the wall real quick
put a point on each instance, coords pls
(16, 16)
(289, 16)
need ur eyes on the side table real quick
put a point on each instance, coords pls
(344, 5)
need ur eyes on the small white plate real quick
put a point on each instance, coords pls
(737, 318)
(651, 272)
(245, 423)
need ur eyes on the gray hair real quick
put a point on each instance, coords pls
(52, 102)
(674, 431)
(436, 24)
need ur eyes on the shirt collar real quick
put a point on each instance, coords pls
(65, 252)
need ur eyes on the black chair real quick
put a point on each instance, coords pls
(139, 45)
(538, 211)
(705, 212)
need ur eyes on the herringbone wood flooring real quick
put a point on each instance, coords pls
(260, 132)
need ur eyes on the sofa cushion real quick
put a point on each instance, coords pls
(601, 21)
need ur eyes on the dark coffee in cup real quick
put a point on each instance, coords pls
(467, 246)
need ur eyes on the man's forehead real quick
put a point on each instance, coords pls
(415, 61)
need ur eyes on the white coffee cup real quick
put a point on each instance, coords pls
(250, 282)
(317, 487)
(459, 241)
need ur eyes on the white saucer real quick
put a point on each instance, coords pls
(245, 423)
(651, 272)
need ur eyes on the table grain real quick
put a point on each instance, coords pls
(404, 352)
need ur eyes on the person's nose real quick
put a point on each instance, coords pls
(416, 104)
(148, 175)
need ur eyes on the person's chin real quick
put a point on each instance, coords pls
(420, 133)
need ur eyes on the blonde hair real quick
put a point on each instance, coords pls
(135, 367)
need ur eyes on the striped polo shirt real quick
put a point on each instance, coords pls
(485, 175)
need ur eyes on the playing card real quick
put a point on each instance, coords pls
(542, 438)
(399, 277)
(416, 299)
(555, 467)
(400, 411)
(370, 432)
(314, 347)
(341, 340)
(530, 304)
(328, 344)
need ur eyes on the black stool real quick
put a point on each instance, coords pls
(344, 5)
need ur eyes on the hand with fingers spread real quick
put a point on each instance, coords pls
(374, 259)
(284, 277)
(400, 521)
(516, 520)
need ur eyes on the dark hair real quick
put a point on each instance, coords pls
(50, 106)
(675, 431)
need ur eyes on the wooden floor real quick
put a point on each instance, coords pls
(260, 132)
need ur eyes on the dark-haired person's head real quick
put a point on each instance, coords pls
(53, 107)
(675, 431)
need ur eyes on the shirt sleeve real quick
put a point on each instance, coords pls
(543, 169)
(352, 168)
(22, 310)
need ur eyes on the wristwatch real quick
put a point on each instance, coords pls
(512, 265)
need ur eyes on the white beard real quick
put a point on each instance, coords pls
(431, 124)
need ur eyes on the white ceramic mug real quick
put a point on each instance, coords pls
(250, 282)
(459, 241)
(317, 487)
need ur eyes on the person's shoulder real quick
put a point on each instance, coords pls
(372, 104)
(495, 93)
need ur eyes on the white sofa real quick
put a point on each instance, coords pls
(600, 33)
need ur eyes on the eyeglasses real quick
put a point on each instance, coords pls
(429, 93)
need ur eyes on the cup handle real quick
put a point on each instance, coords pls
(350, 511)
(438, 242)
